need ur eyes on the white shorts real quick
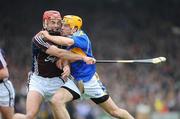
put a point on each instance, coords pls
(48, 86)
(94, 88)
(7, 94)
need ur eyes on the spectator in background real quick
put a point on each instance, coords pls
(7, 94)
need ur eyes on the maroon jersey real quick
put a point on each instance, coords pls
(43, 64)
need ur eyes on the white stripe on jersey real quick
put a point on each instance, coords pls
(41, 41)
(2, 60)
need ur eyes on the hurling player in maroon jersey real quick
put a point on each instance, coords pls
(46, 77)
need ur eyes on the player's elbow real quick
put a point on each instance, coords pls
(69, 41)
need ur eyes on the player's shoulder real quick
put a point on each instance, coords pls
(36, 37)
(80, 33)
(39, 39)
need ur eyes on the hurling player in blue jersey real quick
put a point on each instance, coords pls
(78, 42)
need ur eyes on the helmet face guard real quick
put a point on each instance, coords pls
(73, 21)
(50, 17)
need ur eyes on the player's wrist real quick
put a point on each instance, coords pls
(83, 58)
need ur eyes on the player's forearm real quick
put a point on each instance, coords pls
(55, 51)
(60, 40)
(61, 53)
(71, 56)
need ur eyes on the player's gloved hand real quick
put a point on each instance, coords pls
(89, 60)
(66, 73)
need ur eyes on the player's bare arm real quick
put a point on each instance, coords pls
(65, 54)
(60, 53)
(59, 40)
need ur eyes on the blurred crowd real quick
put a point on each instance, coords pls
(134, 34)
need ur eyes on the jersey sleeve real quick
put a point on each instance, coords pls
(40, 43)
(80, 41)
(3, 63)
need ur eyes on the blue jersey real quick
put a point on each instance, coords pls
(82, 45)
